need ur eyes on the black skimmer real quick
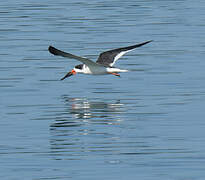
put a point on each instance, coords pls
(103, 65)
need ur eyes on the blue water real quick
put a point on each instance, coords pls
(148, 124)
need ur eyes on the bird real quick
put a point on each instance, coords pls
(103, 65)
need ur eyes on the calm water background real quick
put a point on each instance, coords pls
(149, 124)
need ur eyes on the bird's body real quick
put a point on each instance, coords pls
(96, 70)
(104, 64)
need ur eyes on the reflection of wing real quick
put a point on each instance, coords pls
(58, 52)
(108, 58)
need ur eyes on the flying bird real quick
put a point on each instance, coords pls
(103, 65)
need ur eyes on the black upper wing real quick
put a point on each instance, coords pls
(58, 52)
(108, 58)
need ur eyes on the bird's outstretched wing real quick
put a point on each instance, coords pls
(108, 58)
(58, 52)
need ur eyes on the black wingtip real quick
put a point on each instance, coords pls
(49, 48)
(135, 46)
(141, 44)
(52, 50)
(146, 42)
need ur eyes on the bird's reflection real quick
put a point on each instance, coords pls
(85, 109)
(82, 119)
(78, 110)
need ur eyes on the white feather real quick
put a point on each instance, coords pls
(115, 70)
(119, 56)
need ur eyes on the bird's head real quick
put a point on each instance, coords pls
(75, 70)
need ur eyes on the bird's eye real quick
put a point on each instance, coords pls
(80, 66)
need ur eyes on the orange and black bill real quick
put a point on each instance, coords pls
(69, 74)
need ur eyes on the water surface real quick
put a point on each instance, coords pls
(148, 124)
